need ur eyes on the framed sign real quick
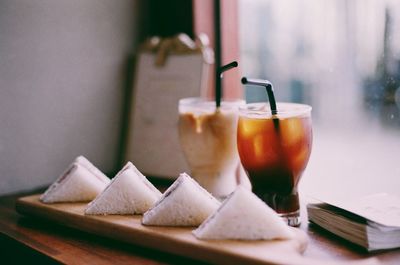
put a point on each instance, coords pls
(161, 80)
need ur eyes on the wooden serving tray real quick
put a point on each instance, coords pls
(178, 241)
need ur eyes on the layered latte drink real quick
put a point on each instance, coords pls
(208, 140)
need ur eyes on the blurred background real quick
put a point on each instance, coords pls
(65, 72)
(65, 69)
(62, 68)
(343, 58)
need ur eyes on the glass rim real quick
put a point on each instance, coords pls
(199, 100)
(206, 106)
(284, 109)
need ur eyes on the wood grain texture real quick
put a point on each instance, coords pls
(41, 241)
(173, 240)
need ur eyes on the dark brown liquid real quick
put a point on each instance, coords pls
(275, 156)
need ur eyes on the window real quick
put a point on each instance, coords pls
(343, 58)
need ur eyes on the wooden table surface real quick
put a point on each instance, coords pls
(25, 239)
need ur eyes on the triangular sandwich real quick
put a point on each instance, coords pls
(128, 193)
(184, 203)
(243, 216)
(76, 184)
(89, 166)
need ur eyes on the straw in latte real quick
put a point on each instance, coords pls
(207, 134)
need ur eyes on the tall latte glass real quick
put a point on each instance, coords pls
(274, 150)
(208, 140)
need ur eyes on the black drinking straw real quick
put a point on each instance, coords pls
(217, 44)
(220, 72)
(227, 67)
(270, 92)
(268, 86)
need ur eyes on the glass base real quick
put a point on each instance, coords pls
(291, 219)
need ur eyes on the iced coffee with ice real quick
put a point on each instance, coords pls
(274, 150)
(208, 140)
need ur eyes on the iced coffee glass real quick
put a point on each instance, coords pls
(274, 150)
(208, 140)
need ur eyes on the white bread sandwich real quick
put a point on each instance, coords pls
(184, 203)
(89, 166)
(76, 184)
(243, 216)
(129, 192)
